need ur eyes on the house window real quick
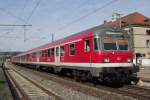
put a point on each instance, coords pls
(148, 32)
(148, 43)
(62, 50)
(72, 49)
(87, 45)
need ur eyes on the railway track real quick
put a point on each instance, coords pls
(25, 89)
(98, 91)
(62, 91)
(137, 92)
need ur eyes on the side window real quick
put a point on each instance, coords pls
(43, 53)
(40, 54)
(57, 51)
(72, 49)
(62, 50)
(87, 45)
(95, 44)
(48, 54)
(34, 55)
(52, 52)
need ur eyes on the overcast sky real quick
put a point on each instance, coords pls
(57, 16)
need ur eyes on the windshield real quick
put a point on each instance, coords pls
(110, 43)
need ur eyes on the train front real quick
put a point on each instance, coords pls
(116, 57)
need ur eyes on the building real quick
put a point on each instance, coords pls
(6, 55)
(138, 26)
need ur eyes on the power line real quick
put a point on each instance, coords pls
(25, 5)
(23, 9)
(88, 14)
(24, 27)
(11, 14)
(33, 10)
(30, 15)
(78, 7)
(13, 25)
(1, 36)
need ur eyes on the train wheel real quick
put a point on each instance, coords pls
(135, 81)
(132, 81)
(95, 81)
(77, 78)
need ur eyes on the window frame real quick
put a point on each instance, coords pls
(148, 43)
(148, 32)
(70, 49)
(48, 53)
(98, 44)
(85, 45)
(57, 51)
(52, 52)
(62, 52)
(33, 55)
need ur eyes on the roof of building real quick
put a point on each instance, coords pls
(131, 19)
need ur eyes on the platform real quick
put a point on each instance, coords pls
(5, 93)
(144, 74)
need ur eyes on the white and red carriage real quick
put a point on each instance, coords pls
(98, 52)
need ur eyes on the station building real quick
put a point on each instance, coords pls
(138, 26)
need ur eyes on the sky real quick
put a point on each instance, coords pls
(60, 17)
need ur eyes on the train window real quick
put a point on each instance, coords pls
(109, 43)
(62, 50)
(34, 55)
(48, 53)
(122, 44)
(40, 54)
(52, 52)
(95, 44)
(72, 49)
(43, 54)
(57, 51)
(87, 45)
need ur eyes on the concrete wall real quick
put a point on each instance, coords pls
(140, 38)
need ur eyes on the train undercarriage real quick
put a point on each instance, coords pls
(110, 75)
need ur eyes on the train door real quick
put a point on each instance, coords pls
(57, 55)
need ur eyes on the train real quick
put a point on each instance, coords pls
(100, 53)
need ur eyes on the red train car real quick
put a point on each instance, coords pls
(99, 52)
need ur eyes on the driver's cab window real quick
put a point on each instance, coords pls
(86, 45)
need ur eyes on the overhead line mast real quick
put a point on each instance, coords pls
(24, 27)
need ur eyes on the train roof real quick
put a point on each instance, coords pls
(83, 34)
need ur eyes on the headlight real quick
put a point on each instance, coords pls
(128, 60)
(106, 60)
